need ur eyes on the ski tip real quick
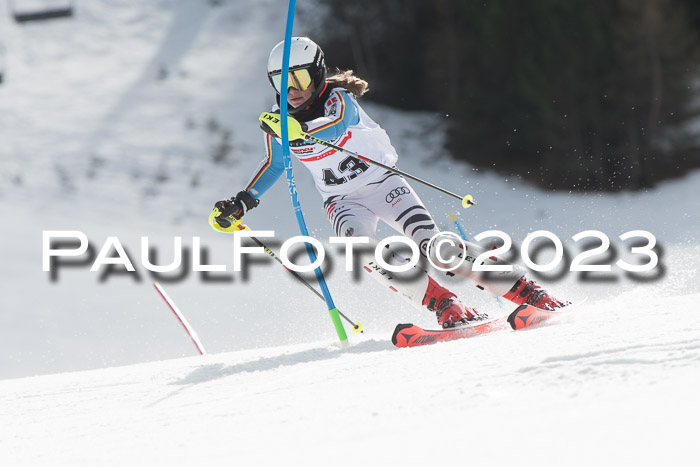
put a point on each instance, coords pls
(512, 317)
(527, 316)
(399, 328)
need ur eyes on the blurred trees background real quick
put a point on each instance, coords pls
(571, 94)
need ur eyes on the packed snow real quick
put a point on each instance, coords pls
(132, 119)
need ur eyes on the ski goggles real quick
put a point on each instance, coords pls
(298, 79)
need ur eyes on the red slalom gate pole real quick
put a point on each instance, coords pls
(181, 318)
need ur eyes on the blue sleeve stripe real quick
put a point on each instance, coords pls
(268, 146)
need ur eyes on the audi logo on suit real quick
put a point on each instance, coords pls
(395, 193)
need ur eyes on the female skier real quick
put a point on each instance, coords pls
(356, 195)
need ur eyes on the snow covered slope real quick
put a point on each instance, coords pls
(614, 385)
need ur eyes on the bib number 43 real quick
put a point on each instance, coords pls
(348, 168)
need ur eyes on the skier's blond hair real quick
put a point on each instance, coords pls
(347, 79)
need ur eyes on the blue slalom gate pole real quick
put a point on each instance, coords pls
(286, 154)
(464, 237)
(453, 218)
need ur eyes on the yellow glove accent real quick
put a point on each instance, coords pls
(235, 223)
(273, 121)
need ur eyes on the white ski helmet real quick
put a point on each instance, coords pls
(306, 66)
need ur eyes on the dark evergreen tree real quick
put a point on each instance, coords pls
(582, 94)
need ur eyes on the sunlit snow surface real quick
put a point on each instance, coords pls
(107, 124)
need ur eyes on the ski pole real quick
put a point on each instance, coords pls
(467, 200)
(356, 327)
(273, 121)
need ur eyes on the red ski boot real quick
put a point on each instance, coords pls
(447, 307)
(529, 292)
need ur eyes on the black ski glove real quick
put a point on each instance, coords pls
(234, 208)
